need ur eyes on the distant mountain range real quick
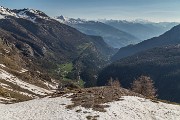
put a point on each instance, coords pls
(119, 33)
(114, 37)
(141, 29)
(170, 37)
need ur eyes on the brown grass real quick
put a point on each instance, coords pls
(92, 117)
(16, 87)
(97, 96)
(155, 100)
(17, 97)
(29, 77)
(15, 62)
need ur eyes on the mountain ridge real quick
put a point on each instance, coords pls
(170, 37)
(160, 63)
(112, 36)
(142, 29)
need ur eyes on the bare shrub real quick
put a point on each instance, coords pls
(114, 83)
(145, 86)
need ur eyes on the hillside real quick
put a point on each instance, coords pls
(168, 38)
(114, 37)
(142, 29)
(46, 45)
(18, 82)
(161, 64)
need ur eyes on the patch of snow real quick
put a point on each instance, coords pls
(26, 94)
(131, 108)
(2, 98)
(5, 11)
(13, 79)
(22, 14)
(4, 85)
(5, 100)
(23, 70)
(61, 19)
(54, 85)
(2, 65)
(2, 17)
(7, 51)
(51, 86)
(38, 72)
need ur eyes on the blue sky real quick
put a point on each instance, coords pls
(153, 10)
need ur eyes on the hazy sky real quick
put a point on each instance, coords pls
(153, 10)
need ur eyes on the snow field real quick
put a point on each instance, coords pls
(130, 108)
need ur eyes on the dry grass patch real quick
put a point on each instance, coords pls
(17, 88)
(92, 117)
(13, 96)
(95, 97)
(29, 77)
(155, 100)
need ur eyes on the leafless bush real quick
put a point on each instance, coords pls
(114, 83)
(145, 86)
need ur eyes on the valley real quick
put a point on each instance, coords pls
(60, 68)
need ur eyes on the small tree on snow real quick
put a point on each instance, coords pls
(114, 86)
(145, 86)
(114, 83)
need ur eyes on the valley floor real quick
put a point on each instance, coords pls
(128, 108)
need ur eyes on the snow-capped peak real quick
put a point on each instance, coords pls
(62, 19)
(67, 20)
(6, 12)
(29, 14)
(142, 21)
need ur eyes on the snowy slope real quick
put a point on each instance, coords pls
(8, 81)
(6, 12)
(29, 14)
(10, 78)
(130, 108)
